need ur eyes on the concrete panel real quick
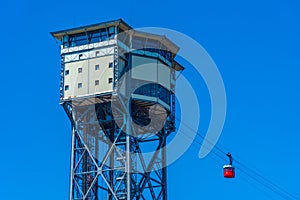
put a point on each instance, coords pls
(164, 75)
(103, 74)
(150, 69)
(82, 83)
(74, 78)
(144, 68)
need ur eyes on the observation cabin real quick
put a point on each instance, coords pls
(95, 57)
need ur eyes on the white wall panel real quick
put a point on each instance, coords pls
(88, 76)
(164, 75)
(150, 69)
(89, 54)
(144, 68)
(89, 46)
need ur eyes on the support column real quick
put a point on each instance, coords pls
(128, 158)
(72, 164)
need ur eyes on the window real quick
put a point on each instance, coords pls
(79, 85)
(110, 65)
(110, 80)
(65, 41)
(67, 72)
(96, 67)
(97, 53)
(96, 82)
(94, 36)
(111, 32)
(103, 34)
(67, 87)
(80, 56)
(80, 70)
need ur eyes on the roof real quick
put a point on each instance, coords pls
(177, 66)
(228, 166)
(58, 34)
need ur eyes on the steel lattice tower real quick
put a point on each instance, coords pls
(121, 113)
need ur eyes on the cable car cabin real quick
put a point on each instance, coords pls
(228, 171)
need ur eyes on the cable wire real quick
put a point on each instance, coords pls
(280, 191)
(221, 164)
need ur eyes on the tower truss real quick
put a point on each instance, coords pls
(108, 163)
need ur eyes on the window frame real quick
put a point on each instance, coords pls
(67, 87)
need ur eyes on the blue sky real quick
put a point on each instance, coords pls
(255, 45)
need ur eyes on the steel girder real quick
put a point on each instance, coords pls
(107, 163)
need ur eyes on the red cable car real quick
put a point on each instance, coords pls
(229, 170)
